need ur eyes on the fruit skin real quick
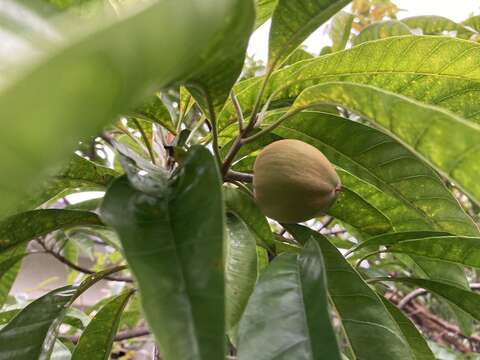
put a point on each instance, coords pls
(293, 181)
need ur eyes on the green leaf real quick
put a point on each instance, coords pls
(473, 22)
(382, 30)
(434, 25)
(422, 128)
(164, 46)
(296, 56)
(370, 329)
(10, 262)
(32, 332)
(393, 238)
(26, 335)
(356, 211)
(244, 207)
(287, 316)
(169, 235)
(378, 159)
(264, 10)
(154, 109)
(436, 70)
(464, 299)
(97, 339)
(457, 249)
(294, 21)
(417, 342)
(240, 269)
(26, 226)
(340, 30)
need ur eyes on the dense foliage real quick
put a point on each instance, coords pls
(154, 105)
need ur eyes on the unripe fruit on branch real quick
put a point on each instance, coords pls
(293, 181)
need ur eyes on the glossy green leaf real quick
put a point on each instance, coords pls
(240, 268)
(381, 30)
(10, 262)
(264, 10)
(340, 30)
(243, 206)
(464, 299)
(356, 211)
(294, 21)
(378, 159)
(392, 238)
(97, 339)
(370, 329)
(287, 316)
(32, 332)
(169, 235)
(457, 249)
(165, 45)
(423, 129)
(436, 70)
(417, 343)
(154, 109)
(25, 336)
(26, 226)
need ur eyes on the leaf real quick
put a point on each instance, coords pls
(356, 211)
(437, 70)
(10, 262)
(370, 329)
(264, 10)
(240, 269)
(393, 238)
(32, 332)
(97, 339)
(169, 235)
(60, 352)
(458, 249)
(434, 25)
(287, 316)
(340, 30)
(382, 30)
(154, 109)
(26, 335)
(464, 299)
(243, 206)
(473, 22)
(110, 77)
(296, 56)
(423, 129)
(378, 159)
(416, 341)
(294, 21)
(26, 226)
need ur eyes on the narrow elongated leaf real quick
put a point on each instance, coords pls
(287, 316)
(26, 226)
(10, 262)
(167, 236)
(434, 25)
(243, 206)
(32, 332)
(25, 336)
(340, 30)
(96, 340)
(294, 21)
(382, 30)
(165, 46)
(417, 342)
(378, 159)
(464, 299)
(240, 268)
(371, 330)
(436, 70)
(264, 10)
(422, 128)
(457, 249)
(393, 238)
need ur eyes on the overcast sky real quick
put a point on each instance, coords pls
(456, 10)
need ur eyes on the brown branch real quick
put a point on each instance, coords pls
(238, 176)
(78, 267)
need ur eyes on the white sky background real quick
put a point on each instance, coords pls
(456, 10)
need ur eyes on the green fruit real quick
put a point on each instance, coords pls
(293, 181)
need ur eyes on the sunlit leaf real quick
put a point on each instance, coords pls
(340, 28)
(381, 30)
